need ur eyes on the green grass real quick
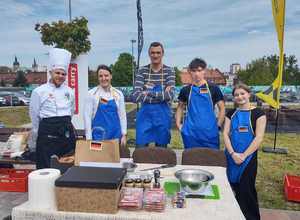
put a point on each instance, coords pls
(14, 116)
(271, 168)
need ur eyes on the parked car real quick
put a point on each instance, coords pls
(2, 125)
(24, 100)
(12, 100)
(2, 101)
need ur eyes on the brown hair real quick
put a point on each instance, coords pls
(156, 44)
(241, 86)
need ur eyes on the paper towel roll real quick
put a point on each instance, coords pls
(41, 189)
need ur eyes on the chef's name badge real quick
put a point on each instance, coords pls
(103, 101)
(96, 146)
(243, 129)
(203, 90)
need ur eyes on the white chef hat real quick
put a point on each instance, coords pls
(59, 59)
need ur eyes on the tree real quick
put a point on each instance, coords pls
(72, 36)
(263, 71)
(20, 79)
(93, 78)
(122, 70)
(177, 76)
(2, 83)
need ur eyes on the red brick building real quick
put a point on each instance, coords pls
(37, 78)
(211, 75)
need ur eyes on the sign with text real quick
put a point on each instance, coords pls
(73, 83)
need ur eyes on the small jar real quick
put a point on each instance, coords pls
(147, 183)
(129, 183)
(138, 183)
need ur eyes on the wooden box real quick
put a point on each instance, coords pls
(89, 189)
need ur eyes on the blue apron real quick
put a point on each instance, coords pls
(153, 122)
(241, 136)
(200, 127)
(106, 123)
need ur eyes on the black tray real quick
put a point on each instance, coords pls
(92, 177)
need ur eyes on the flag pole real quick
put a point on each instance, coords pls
(275, 149)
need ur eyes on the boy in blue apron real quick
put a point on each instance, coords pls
(104, 113)
(154, 88)
(243, 132)
(200, 127)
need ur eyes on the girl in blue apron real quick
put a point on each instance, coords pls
(153, 121)
(200, 128)
(243, 132)
(106, 123)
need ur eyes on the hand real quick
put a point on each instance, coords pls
(123, 141)
(238, 158)
(149, 85)
(179, 127)
(168, 88)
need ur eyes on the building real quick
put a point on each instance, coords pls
(16, 65)
(34, 66)
(211, 75)
(234, 68)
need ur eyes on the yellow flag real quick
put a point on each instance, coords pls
(272, 94)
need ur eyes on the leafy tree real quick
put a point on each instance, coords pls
(177, 76)
(72, 36)
(264, 70)
(122, 70)
(20, 79)
(93, 79)
(2, 83)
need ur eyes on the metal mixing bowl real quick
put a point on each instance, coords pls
(194, 180)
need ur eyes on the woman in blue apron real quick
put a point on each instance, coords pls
(105, 114)
(200, 127)
(243, 132)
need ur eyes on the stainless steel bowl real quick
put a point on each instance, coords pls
(194, 180)
(130, 166)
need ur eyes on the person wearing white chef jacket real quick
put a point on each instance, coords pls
(105, 114)
(51, 109)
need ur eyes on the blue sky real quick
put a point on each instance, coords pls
(220, 31)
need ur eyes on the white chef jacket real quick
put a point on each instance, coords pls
(91, 106)
(49, 101)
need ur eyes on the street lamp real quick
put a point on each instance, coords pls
(132, 63)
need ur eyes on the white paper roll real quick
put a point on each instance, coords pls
(41, 189)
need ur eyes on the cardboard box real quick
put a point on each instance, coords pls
(89, 189)
(97, 151)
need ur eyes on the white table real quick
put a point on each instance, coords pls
(226, 208)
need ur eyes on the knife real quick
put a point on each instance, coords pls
(160, 167)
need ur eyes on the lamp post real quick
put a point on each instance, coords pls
(132, 62)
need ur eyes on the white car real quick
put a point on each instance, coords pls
(2, 101)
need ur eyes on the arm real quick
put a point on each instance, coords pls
(228, 144)
(123, 119)
(221, 114)
(179, 113)
(139, 94)
(169, 91)
(88, 117)
(34, 110)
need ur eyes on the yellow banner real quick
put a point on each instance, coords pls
(272, 94)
